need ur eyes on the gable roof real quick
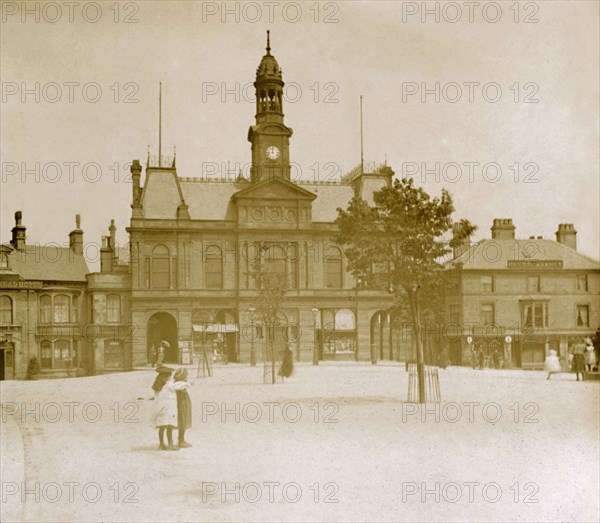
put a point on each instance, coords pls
(496, 254)
(275, 188)
(48, 263)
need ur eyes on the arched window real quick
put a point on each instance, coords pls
(46, 355)
(160, 267)
(333, 268)
(213, 267)
(3, 261)
(45, 309)
(6, 311)
(274, 267)
(75, 309)
(113, 308)
(62, 304)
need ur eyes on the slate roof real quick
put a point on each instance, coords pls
(47, 263)
(495, 254)
(211, 200)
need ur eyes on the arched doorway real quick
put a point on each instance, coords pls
(162, 326)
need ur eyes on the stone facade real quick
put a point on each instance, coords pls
(525, 296)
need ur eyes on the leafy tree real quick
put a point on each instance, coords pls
(400, 245)
(272, 287)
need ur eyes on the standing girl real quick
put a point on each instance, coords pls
(184, 405)
(165, 415)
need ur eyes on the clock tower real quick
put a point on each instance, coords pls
(270, 137)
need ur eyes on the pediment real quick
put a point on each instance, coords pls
(275, 190)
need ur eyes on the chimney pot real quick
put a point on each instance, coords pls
(503, 229)
(19, 232)
(76, 237)
(567, 235)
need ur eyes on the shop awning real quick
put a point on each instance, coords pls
(215, 328)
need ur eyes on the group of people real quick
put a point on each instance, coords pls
(478, 358)
(582, 356)
(173, 407)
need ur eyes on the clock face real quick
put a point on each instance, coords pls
(272, 152)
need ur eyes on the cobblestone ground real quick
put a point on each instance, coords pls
(333, 443)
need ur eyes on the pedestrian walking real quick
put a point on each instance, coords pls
(184, 406)
(552, 364)
(496, 358)
(165, 415)
(590, 358)
(287, 364)
(160, 357)
(481, 358)
(578, 351)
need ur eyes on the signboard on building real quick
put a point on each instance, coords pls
(535, 264)
(20, 284)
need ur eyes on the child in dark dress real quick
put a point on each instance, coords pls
(184, 405)
(164, 373)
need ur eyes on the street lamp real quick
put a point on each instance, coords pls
(315, 313)
(252, 312)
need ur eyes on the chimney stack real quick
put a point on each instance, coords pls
(18, 232)
(136, 171)
(463, 246)
(106, 255)
(76, 237)
(567, 235)
(503, 229)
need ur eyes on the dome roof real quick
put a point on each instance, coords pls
(269, 68)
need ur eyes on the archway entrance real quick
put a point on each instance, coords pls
(162, 326)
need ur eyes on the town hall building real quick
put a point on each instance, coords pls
(197, 249)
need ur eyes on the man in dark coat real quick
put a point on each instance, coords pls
(287, 364)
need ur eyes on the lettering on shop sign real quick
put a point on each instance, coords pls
(535, 264)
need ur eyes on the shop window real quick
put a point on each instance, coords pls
(113, 308)
(213, 267)
(583, 315)
(6, 309)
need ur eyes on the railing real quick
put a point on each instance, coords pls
(432, 384)
(367, 167)
(164, 162)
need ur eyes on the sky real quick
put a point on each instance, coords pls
(503, 99)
